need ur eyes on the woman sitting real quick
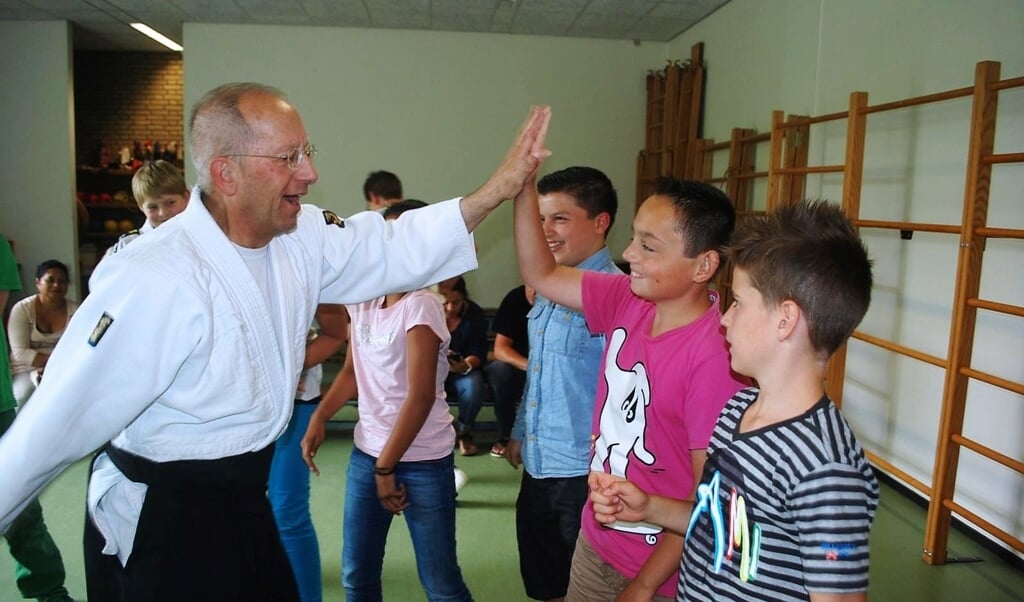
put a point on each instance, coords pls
(467, 354)
(35, 326)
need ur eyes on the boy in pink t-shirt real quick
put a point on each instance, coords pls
(666, 372)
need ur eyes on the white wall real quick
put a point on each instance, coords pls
(37, 156)
(805, 57)
(440, 109)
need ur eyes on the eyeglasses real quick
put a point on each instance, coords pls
(294, 158)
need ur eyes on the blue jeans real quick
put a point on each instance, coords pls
(507, 383)
(430, 487)
(288, 491)
(468, 390)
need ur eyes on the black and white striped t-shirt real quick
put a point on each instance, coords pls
(797, 499)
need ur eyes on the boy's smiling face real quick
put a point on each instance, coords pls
(571, 234)
(659, 269)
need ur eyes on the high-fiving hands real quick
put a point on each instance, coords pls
(519, 166)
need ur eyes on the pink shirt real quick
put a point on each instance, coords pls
(658, 399)
(378, 341)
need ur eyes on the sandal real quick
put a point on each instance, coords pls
(498, 449)
(466, 445)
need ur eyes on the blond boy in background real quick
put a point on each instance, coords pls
(160, 190)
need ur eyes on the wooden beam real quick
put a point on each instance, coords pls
(961, 341)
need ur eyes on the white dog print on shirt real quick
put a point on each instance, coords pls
(623, 422)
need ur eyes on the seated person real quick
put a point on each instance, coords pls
(467, 354)
(36, 324)
(506, 374)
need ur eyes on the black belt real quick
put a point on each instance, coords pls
(244, 471)
(309, 402)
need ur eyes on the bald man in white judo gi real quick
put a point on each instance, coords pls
(186, 354)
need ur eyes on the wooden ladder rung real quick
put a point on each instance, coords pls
(995, 381)
(1003, 158)
(989, 453)
(812, 169)
(1013, 82)
(911, 226)
(802, 121)
(900, 349)
(920, 100)
(892, 469)
(990, 232)
(1013, 310)
(984, 525)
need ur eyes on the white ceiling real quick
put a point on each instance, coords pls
(101, 24)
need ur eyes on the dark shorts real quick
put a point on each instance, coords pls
(547, 524)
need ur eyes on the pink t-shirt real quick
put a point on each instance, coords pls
(658, 399)
(378, 341)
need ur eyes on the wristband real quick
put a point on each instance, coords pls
(469, 368)
(383, 472)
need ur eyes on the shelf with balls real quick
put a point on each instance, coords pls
(106, 196)
(104, 183)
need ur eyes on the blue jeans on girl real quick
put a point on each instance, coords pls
(430, 486)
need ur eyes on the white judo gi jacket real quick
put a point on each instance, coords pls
(175, 354)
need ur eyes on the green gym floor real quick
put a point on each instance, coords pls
(487, 549)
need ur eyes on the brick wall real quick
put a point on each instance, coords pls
(124, 97)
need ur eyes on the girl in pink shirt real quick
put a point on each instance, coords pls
(402, 459)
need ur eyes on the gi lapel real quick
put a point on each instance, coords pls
(275, 366)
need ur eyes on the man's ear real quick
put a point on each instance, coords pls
(707, 265)
(603, 222)
(224, 175)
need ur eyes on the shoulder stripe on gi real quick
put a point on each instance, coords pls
(100, 329)
(331, 219)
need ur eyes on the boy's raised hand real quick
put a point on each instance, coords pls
(615, 498)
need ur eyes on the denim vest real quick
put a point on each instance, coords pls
(554, 418)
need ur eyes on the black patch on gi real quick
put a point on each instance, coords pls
(331, 219)
(100, 329)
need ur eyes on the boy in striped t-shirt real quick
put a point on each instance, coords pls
(786, 499)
